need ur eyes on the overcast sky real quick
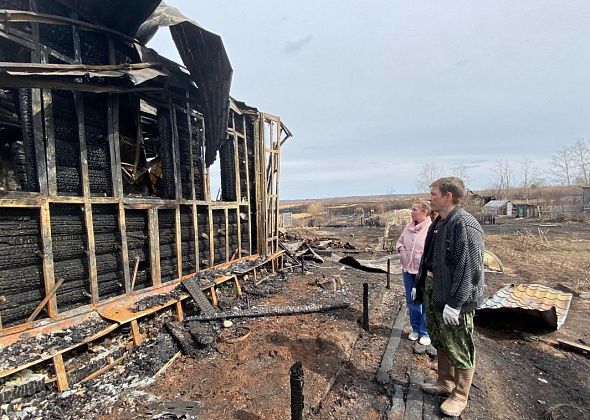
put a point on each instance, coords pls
(373, 89)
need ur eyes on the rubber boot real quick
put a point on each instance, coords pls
(445, 382)
(457, 401)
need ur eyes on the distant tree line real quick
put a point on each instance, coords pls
(569, 166)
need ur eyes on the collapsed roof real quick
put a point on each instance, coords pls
(202, 52)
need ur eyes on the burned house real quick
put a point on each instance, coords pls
(105, 157)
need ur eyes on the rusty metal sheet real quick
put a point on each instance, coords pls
(552, 305)
(122, 310)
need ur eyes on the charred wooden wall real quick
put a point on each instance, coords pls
(67, 210)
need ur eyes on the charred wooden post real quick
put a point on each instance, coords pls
(297, 381)
(388, 273)
(366, 307)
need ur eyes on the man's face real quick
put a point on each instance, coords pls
(438, 200)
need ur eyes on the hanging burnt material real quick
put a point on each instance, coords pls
(67, 143)
(198, 163)
(165, 152)
(297, 381)
(184, 147)
(228, 171)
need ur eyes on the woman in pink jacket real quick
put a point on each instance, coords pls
(410, 246)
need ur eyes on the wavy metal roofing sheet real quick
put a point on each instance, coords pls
(534, 297)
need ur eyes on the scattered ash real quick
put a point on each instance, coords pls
(116, 388)
(244, 266)
(32, 348)
(151, 301)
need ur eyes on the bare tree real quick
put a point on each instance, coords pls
(563, 166)
(530, 176)
(503, 175)
(430, 172)
(581, 155)
(462, 172)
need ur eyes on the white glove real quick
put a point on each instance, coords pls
(413, 293)
(451, 315)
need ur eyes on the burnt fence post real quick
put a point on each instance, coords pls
(297, 381)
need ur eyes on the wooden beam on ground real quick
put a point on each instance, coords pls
(137, 337)
(60, 373)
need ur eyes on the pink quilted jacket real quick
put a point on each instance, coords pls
(412, 238)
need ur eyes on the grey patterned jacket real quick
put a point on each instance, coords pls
(457, 261)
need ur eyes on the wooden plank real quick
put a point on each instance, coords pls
(239, 233)
(179, 311)
(50, 142)
(211, 239)
(91, 251)
(60, 373)
(227, 251)
(260, 186)
(154, 237)
(48, 273)
(198, 296)
(573, 346)
(124, 249)
(175, 154)
(238, 288)
(42, 304)
(196, 236)
(137, 337)
(247, 163)
(103, 369)
(178, 231)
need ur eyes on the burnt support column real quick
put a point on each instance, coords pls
(297, 381)
(388, 273)
(366, 307)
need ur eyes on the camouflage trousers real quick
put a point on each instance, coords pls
(454, 341)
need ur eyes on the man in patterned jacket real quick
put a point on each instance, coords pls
(450, 282)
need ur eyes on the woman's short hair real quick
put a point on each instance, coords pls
(424, 205)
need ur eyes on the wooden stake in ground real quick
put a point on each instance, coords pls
(297, 381)
(388, 273)
(366, 307)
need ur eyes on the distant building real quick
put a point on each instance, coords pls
(498, 208)
(586, 198)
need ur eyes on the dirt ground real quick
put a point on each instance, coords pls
(519, 375)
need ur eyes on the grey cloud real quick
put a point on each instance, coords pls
(293, 47)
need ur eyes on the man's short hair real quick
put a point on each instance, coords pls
(453, 185)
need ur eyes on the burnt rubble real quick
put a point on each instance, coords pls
(28, 349)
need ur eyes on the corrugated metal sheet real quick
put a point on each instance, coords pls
(495, 205)
(203, 53)
(552, 304)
